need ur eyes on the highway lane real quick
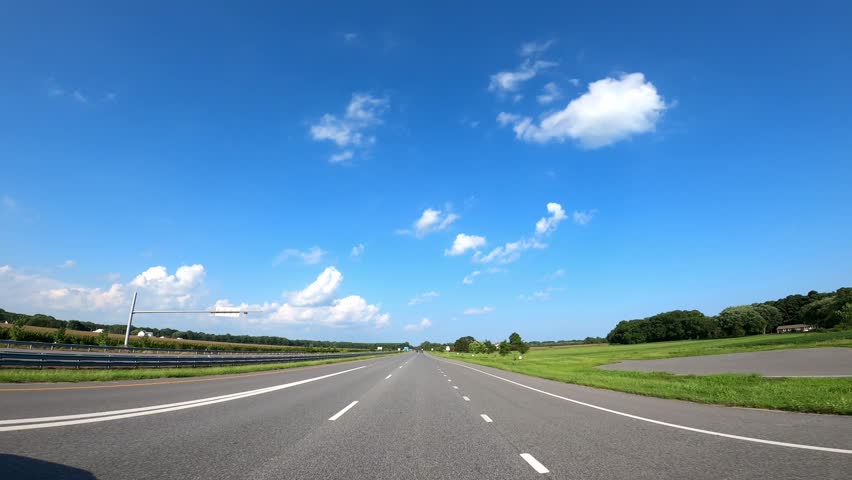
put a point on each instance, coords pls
(409, 421)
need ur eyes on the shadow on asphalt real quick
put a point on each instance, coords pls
(24, 468)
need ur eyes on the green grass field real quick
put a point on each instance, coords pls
(26, 375)
(576, 365)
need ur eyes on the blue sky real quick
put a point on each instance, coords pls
(631, 158)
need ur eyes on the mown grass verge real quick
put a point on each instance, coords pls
(24, 375)
(577, 365)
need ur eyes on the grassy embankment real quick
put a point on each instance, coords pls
(577, 365)
(25, 375)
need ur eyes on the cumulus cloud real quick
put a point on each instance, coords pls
(418, 327)
(358, 250)
(509, 81)
(178, 288)
(423, 298)
(547, 225)
(348, 130)
(469, 278)
(512, 251)
(550, 94)
(611, 110)
(341, 157)
(509, 252)
(430, 221)
(478, 311)
(316, 305)
(311, 256)
(463, 243)
(321, 290)
(532, 48)
(583, 218)
(157, 286)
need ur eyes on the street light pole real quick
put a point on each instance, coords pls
(130, 320)
(217, 312)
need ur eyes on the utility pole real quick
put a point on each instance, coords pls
(130, 320)
(219, 313)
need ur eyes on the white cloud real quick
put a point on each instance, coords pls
(341, 157)
(504, 118)
(509, 252)
(311, 256)
(547, 225)
(68, 264)
(532, 48)
(358, 250)
(350, 37)
(79, 97)
(468, 279)
(478, 311)
(315, 306)
(113, 276)
(178, 288)
(541, 295)
(348, 130)
(583, 218)
(574, 81)
(510, 81)
(110, 96)
(551, 94)
(463, 243)
(610, 111)
(423, 298)
(157, 287)
(430, 221)
(321, 290)
(418, 327)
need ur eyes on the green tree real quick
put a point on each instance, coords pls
(740, 321)
(489, 347)
(59, 335)
(504, 348)
(475, 347)
(462, 343)
(103, 338)
(845, 315)
(17, 330)
(517, 343)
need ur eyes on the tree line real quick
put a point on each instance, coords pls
(40, 320)
(470, 344)
(832, 310)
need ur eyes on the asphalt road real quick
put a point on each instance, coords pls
(804, 362)
(410, 421)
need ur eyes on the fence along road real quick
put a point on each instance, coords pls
(407, 422)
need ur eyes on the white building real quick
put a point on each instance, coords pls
(100, 330)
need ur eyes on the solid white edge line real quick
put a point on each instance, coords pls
(666, 424)
(138, 412)
(537, 466)
(345, 409)
(388, 376)
(486, 418)
(466, 399)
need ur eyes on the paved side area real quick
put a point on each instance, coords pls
(806, 362)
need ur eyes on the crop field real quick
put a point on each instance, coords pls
(174, 343)
(573, 364)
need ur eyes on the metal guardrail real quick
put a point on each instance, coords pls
(121, 348)
(81, 360)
